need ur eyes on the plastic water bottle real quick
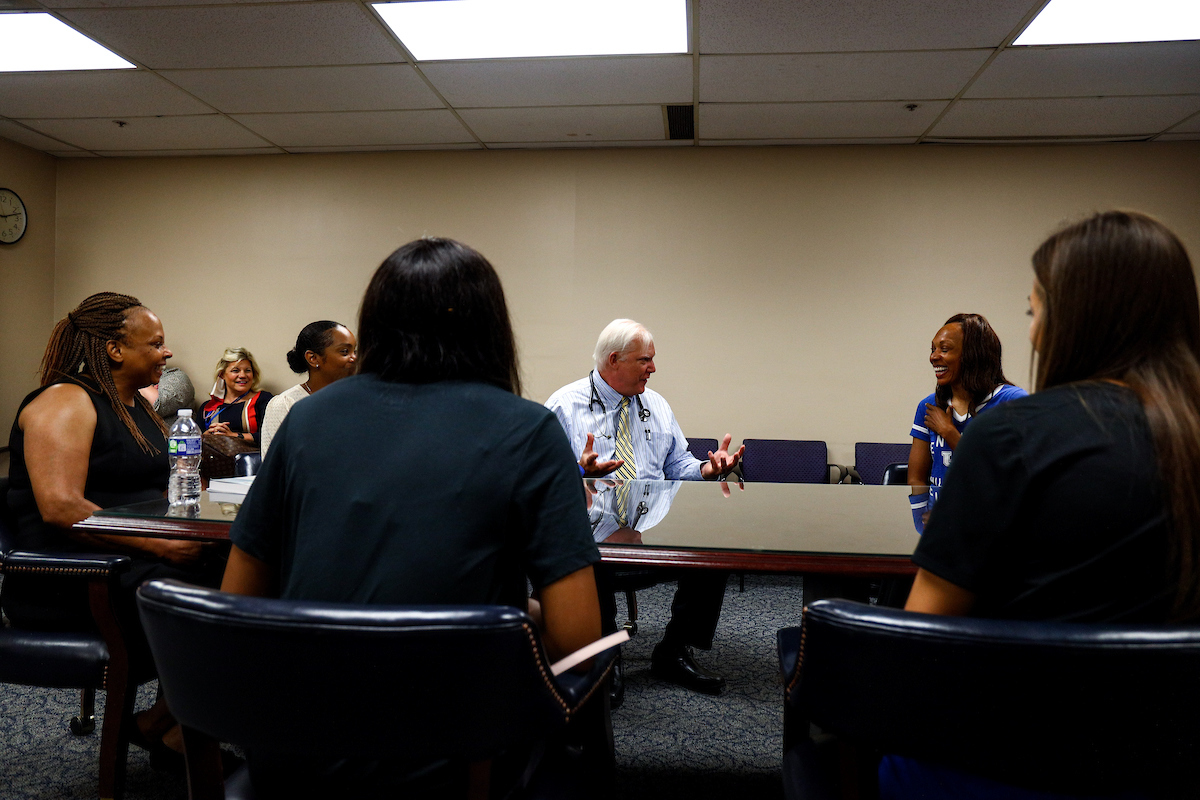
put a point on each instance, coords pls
(183, 450)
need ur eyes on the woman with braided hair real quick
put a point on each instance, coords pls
(88, 440)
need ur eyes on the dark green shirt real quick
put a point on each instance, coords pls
(394, 493)
(1053, 510)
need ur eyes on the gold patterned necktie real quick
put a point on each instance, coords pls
(628, 470)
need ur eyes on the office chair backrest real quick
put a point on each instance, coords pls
(872, 458)
(1067, 707)
(246, 464)
(895, 475)
(700, 448)
(334, 679)
(785, 461)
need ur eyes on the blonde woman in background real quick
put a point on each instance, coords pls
(236, 407)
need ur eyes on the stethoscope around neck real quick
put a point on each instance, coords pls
(643, 412)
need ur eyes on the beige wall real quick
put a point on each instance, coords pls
(26, 279)
(792, 291)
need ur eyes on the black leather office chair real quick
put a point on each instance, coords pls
(895, 475)
(872, 459)
(246, 464)
(376, 682)
(69, 658)
(1053, 706)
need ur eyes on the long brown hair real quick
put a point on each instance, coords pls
(1120, 303)
(979, 370)
(78, 344)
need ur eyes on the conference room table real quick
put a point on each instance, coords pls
(851, 530)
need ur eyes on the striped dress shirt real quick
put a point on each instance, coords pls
(659, 445)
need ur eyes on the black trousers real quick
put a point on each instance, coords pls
(694, 611)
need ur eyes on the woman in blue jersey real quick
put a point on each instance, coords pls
(965, 355)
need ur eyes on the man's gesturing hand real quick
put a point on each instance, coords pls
(720, 462)
(593, 467)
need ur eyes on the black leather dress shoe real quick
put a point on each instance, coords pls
(616, 687)
(674, 663)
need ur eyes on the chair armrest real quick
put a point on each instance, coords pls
(577, 687)
(84, 565)
(787, 645)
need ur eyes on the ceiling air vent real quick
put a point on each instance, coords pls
(680, 122)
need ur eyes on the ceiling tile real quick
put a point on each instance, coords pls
(356, 128)
(1077, 116)
(93, 94)
(149, 133)
(837, 76)
(565, 123)
(821, 26)
(815, 120)
(563, 81)
(21, 135)
(588, 145)
(231, 151)
(61, 4)
(380, 148)
(806, 142)
(1090, 70)
(1191, 125)
(360, 88)
(277, 35)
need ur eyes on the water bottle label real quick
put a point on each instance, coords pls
(183, 446)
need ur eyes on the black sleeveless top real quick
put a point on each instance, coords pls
(119, 471)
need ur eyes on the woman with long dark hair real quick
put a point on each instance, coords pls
(86, 440)
(966, 358)
(328, 352)
(1079, 503)
(425, 478)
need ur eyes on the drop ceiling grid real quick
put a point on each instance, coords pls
(324, 75)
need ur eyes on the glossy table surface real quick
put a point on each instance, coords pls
(769, 527)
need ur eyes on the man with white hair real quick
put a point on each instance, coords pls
(616, 425)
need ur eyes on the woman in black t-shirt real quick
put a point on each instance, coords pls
(1093, 478)
(425, 479)
(1079, 502)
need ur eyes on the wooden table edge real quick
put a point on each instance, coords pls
(731, 560)
(759, 561)
(162, 528)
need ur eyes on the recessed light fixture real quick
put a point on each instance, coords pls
(475, 29)
(1104, 21)
(39, 42)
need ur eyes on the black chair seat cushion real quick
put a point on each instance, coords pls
(59, 659)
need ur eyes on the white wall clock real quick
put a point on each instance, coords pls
(13, 217)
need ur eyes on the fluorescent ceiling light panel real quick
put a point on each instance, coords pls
(1104, 21)
(40, 43)
(474, 29)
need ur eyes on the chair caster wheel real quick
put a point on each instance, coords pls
(82, 727)
(631, 628)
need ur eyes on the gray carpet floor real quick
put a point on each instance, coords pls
(670, 743)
